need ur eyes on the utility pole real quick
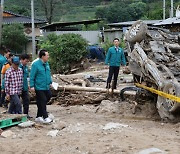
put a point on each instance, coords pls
(1, 19)
(164, 9)
(33, 33)
(172, 13)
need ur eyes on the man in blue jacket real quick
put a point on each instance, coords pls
(114, 58)
(40, 81)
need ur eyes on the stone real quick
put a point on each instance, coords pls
(53, 133)
(7, 133)
(59, 126)
(26, 124)
(108, 106)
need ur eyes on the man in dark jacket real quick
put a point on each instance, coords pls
(115, 57)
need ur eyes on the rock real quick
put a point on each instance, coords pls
(52, 133)
(112, 125)
(151, 151)
(7, 133)
(59, 126)
(108, 106)
(26, 124)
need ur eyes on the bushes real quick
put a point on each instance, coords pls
(13, 37)
(65, 50)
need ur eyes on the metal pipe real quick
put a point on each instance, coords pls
(1, 19)
(164, 9)
(172, 13)
(33, 31)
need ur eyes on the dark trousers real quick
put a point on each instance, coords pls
(3, 95)
(25, 101)
(15, 106)
(42, 97)
(113, 72)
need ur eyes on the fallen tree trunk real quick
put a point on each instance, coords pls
(90, 89)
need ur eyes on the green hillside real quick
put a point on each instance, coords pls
(110, 10)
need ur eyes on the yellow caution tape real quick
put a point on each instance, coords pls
(160, 93)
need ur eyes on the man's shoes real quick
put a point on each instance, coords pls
(47, 120)
(40, 120)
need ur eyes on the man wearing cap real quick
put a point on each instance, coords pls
(13, 86)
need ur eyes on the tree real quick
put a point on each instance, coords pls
(101, 12)
(49, 7)
(65, 50)
(120, 11)
(13, 37)
(19, 10)
(138, 10)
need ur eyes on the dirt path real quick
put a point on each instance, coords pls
(85, 133)
(95, 130)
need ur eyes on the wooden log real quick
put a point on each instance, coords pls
(90, 89)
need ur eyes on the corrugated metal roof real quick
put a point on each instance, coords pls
(16, 18)
(23, 20)
(62, 24)
(129, 23)
(169, 21)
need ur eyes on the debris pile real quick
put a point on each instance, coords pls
(154, 61)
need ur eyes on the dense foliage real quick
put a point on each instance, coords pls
(13, 37)
(65, 50)
(111, 10)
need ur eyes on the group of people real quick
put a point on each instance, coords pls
(16, 83)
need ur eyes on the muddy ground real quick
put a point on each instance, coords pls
(109, 127)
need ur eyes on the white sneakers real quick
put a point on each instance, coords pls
(45, 121)
(39, 119)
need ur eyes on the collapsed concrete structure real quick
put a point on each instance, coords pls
(154, 60)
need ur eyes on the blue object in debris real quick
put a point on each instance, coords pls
(96, 52)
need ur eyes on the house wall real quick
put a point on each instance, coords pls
(91, 36)
(28, 33)
(110, 35)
